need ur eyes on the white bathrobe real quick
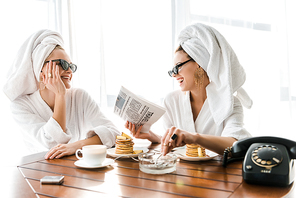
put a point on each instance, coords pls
(179, 114)
(42, 132)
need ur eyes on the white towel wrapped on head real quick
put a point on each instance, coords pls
(23, 78)
(212, 52)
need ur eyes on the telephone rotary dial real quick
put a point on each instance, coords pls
(267, 156)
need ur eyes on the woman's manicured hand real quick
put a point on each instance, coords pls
(61, 150)
(181, 138)
(52, 78)
(137, 134)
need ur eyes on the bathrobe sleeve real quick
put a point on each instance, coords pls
(46, 132)
(96, 121)
(233, 125)
(167, 118)
(170, 117)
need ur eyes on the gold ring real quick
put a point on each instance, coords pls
(164, 144)
(49, 75)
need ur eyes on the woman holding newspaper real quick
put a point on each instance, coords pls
(52, 115)
(204, 111)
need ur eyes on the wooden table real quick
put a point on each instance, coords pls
(124, 179)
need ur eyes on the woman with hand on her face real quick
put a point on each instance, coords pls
(205, 111)
(52, 115)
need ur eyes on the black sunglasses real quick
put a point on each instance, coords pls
(65, 65)
(175, 69)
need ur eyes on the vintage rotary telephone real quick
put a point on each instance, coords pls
(267, 160)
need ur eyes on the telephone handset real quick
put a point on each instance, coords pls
(267, 160)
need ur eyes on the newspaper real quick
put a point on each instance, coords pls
(137, 110)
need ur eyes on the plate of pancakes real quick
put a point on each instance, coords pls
(124, 147)
(112, 153)
(194, 152)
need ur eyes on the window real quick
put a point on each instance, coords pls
(124, 43)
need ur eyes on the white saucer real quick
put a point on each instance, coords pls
(112, 153)
(82, 164)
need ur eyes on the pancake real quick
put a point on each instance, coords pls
(124, 144)
(194, 150)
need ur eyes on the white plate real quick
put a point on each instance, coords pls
(183, 155)
(82, 164)
(112, 153)
(177, 148)
(141, 143)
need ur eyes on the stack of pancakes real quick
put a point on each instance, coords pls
(194, 150)
(124, 144)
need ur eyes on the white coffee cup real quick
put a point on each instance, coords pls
(92, 154)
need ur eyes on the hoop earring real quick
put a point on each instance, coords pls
(199, 75)
(41, 86)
